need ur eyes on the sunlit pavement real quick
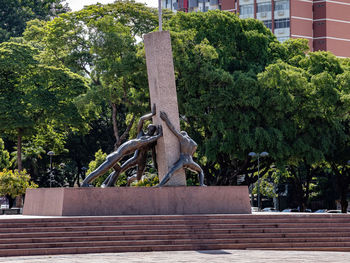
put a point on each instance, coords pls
(213, 256)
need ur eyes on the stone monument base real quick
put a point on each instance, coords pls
(137, 201)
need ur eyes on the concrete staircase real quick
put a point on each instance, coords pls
(71, 235)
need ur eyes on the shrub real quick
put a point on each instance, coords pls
(4, 156)
(147, 180)
(15, 183)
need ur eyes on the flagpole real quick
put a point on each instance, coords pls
(160, 14)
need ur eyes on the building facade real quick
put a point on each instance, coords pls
(191, 5)
(325, 23)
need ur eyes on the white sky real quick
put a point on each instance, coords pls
(76, 5)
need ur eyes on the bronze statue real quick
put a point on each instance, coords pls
(142, 143)
(187, 149)
(140, 156)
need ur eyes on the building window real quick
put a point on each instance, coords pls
(168, 4)
(246, 9)
(268, 24)
(263, 7)
(282, 23)
(282, 5)
(282, 39)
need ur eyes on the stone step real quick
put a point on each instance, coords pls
(223, 220)
(64, 235)
(135, 227)
(232, 232)
(162, 247)
(68, 237)
(205, 238)
(110, 249)
(176, 226)
(290, 216)
(132, 231)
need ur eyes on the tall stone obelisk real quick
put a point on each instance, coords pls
(162, 87)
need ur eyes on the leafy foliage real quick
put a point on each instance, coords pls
(15, 14)
(100, 42)
(217, 58)
(15, 183)
(4, 156)
(240, 90)
(44, 95)
(148, 180)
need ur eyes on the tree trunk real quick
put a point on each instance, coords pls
(115, 127)
(299, 192)
(344, 201)
(344, 186)
(119, 139)
(10, 200)
(307, 191)
(19, 150)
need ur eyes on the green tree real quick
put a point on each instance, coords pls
(4, 156)
(100, 42)
(311, 109)
(217, 57)
(339, 157)
(15, 183)
(33, 95)
(15, 14)
(240, 90)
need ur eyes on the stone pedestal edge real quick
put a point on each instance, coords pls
(137, 201)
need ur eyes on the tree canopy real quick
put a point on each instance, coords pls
(15, 13)
(100, 42)
(34, 95)
(4, 156)
(280, 97)
(217, 58)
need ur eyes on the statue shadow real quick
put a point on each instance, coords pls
(213, 252)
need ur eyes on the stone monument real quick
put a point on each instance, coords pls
(162, 87)
(148, 200)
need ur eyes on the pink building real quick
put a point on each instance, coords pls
(325, 23)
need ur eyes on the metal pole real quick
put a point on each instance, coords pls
(160, 14)
(259, 207)
(50, 170)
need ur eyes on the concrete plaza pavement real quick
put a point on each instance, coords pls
(209, 256)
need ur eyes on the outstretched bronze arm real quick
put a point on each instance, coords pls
(165, 118)
(145, 118)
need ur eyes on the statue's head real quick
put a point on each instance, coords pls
(183, 133)
(151, 129)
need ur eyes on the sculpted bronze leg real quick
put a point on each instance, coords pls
(141, 165)
(106, 182)
(111, 160)
(193, 166)
(178, 165)
(131, 179)
(116, 173)
(125, 149)
(113, 177)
